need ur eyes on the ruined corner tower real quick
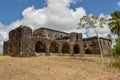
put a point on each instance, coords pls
(76, 43)
(19, 43)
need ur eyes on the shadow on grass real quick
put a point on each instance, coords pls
(116, 65)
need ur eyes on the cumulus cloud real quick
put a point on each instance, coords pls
(102, 32)
(118, 3)
(57, 15)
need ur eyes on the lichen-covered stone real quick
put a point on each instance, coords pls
(23, 42)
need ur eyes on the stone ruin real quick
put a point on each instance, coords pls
(24, 42)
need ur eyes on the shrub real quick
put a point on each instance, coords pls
(116, 50)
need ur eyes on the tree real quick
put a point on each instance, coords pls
(114, 22)
(93, 22)
(114, 25)
(116, 50)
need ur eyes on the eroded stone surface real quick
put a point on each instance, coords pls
(43, 41)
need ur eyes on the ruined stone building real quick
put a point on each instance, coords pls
(23, 41)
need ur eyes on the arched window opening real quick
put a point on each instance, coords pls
(88, 51)
(40, 47)
(53, 47)
(76, 49)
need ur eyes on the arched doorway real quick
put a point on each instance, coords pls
(65, 48)
(88, 51)
(76, 49)
(53, 47)
(40, 47)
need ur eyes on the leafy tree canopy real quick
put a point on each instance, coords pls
(91, 22)
(114, 22)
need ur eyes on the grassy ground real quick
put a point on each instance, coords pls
(56, 68)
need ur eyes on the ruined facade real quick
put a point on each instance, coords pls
(91, 45)
(23, 41)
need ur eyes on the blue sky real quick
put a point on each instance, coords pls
(11, 10)
(98, 6)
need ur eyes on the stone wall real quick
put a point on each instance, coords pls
(19, 43)
(91, 45)
(7, 48)
(15, 41)
(23, 42)
(49, 33)
(26, 42)
(106, 45)
(76, 43)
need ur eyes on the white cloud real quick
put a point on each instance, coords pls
(102, 32)
(118, 3)
(57, 15)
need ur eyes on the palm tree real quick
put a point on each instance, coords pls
(114, 22)
(93, 22)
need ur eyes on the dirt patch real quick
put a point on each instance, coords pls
(56, 68)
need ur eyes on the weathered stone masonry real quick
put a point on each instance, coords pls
(23, 41)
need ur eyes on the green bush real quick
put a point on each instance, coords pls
(116, 64)
(116, 50)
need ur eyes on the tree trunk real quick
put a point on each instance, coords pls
(101, 51)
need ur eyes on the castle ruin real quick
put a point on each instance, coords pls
(24, 42)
